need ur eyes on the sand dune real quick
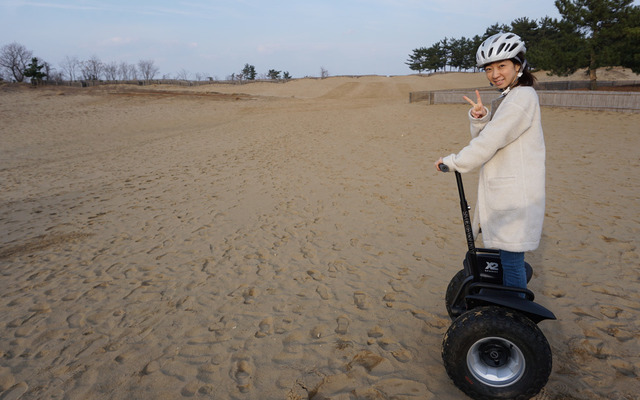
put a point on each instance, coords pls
(267, 241)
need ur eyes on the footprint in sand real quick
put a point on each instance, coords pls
(76, 320)
(396, 349)
(343, 325)
(250, 295)
(265, 328)
(6, 379)
(292, 349)
(323, 292)
(242, 374)
(360, 300)
(611, 312)
(389, 299)
(375, 332)
(221, 330)
(190, 389)
(16, 391)
(318, 331)
(208, 373)
(317, 276)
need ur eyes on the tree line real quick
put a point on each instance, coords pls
(591, 34)
(249, 73)
(18, 64)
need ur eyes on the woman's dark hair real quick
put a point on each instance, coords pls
(527, 78)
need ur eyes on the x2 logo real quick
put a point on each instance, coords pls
(491, 267)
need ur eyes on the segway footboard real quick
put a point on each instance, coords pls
(487, 294)
(489, 265)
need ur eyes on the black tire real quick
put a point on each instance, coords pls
(496, 353)
(452, 290)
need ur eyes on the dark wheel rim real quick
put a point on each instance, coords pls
(496, 362)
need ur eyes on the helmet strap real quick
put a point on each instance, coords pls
(511, 86)
(522, 67)
(515, 81)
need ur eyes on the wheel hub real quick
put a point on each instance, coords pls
(494, 353)
(496, 362)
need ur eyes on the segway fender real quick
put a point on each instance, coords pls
(534, 311)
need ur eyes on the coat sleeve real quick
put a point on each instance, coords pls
(477, 124)
(512, 119)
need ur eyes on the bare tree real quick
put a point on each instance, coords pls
(148, 70)
(127, 71)
(111, 71)
(323, 73)
(133, 72)
(70, 66)
(123, 71)
(183, 75)
(92, 69)
(14, 58)
(52, 74)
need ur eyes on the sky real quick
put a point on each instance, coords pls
(217, 38)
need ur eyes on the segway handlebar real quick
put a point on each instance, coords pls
(464, 208)
(443, 167)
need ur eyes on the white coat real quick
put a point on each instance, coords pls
(509, 148)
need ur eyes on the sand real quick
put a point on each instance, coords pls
(267, 241)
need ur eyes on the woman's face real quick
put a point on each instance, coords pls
(502, 73)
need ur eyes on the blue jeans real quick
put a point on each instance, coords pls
(513, 271)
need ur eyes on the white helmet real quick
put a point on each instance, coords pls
(502, 46)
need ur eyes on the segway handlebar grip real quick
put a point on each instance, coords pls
(443, 167)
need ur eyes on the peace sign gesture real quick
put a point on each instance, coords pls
(478, 110)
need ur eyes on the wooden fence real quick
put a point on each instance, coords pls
(578, 99)
(575, 85)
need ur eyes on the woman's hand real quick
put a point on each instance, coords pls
(478, 110)
(437, 164)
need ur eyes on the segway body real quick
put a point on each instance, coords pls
(493, 349)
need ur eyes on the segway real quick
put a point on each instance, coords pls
(493, 348)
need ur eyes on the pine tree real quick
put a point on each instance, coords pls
(249, 72)
(600, 23)
(630, 46)
(274, 74)
(34, 72)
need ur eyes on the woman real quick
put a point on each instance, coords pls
(508, 146)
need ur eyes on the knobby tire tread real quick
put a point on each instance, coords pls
(496, 321)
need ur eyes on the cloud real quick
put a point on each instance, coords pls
(117, 41)
(93, 6)
(36, 4)
(179, 44)
(269, 48)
